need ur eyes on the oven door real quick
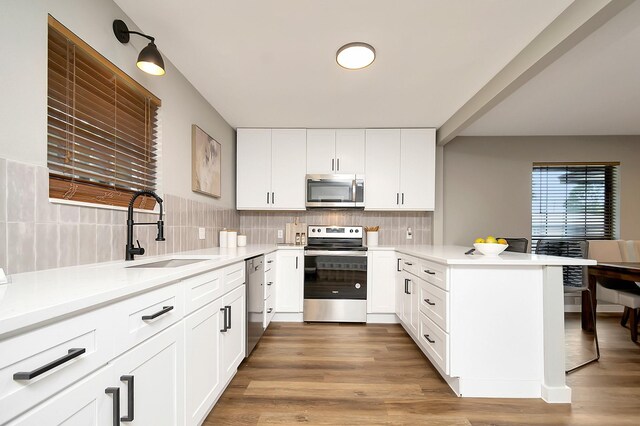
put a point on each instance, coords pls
(335, 287)
(334, 191)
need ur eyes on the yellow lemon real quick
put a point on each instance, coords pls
(490, 240)
(502, 241)
(479, 240)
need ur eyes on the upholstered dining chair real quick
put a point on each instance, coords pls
(626, 293)
(575, 279)
(518, 245)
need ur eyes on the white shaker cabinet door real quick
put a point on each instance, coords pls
(253, 188)
(381, 282)
(288, 169)
(83, 404)
(233, 340)
(202, 361)
(417, 173)
(382, 185)
(321, 149)
(157, 369)
(350, 151)
(290, 279)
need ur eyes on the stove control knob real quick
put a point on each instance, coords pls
(313, 230)
(357, 230)
(358, 285)
(351, 230)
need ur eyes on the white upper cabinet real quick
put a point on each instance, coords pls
(253, 169)
(288, 151)
(331, 151)
(400, 169)
(271, 169)
(382, 175)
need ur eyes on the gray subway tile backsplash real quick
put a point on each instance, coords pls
(36, 234)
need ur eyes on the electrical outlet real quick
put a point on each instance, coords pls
(202, 233)
(409, 234)
(280, 233)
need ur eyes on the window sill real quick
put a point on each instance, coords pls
(156, 210)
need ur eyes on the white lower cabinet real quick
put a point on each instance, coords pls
(139, 361)
(203, 379)
(150, 380)
(290, 279)
(83, 404)
(233, 339)
(381, 298)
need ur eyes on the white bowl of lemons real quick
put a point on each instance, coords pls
(490, 246)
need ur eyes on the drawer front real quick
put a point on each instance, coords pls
(433, 303)
(73, 348)
(202, 289)
(435, 342)
(269, 283)
(144, 315)
(233, 276)
(269, 310)
(410, 264)
(433, 273)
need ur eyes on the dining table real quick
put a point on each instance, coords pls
(627, 271)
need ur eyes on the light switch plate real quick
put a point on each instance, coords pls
(202, 233)
(409, 234)
(280, 233)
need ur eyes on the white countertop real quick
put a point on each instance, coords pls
(455, 255)
(35, 297)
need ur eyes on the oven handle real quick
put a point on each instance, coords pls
(335, 253)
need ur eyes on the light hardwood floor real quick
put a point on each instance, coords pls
(374, 374)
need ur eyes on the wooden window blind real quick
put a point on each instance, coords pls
(101, 126)
(573, 201)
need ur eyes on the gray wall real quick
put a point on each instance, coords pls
(487, 181)
(23, 104)
(36, 234)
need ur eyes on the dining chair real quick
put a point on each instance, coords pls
(618, 292)
(574, 278)
(518, 245)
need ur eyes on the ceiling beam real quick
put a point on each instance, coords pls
(573, 25)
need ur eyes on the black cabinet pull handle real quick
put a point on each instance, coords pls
(429, 302)
(163, 311)
(224, 320)
(270, 283)
(408, 263)
(338, 164)
(427, 271)
(296, 262)
(269, 261)
(229, 317)
(269, 310)
(115, 392)
(426, 336)
(130, 404)
(332, 164)
(267, 198)
(397, 198)
(406, 286)
(408, 282)
(273, 198)
(398, 266)
(28, 375)
(403, 198)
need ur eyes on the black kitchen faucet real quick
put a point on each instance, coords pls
(131, 250)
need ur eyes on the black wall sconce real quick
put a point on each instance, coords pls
(149, 59)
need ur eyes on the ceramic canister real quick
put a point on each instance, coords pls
(242, 240)
(232, 239)
(223, 238)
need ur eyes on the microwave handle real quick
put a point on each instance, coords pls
(354, 185)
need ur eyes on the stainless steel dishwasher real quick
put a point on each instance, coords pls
(255, 301)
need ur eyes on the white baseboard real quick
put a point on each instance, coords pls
(382, 319)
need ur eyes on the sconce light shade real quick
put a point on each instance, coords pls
(149, 60)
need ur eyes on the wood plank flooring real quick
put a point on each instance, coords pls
(341, 374)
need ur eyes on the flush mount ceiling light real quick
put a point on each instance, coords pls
(149, 59)
(354, 56)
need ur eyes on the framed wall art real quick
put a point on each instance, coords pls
(206, 155)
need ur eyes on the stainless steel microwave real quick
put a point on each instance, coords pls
(335, 191)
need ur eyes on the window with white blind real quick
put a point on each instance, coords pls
(101, 126)
(573, 201)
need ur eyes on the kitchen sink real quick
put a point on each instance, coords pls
(168, 263)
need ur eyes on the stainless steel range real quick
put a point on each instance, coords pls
(335, 274)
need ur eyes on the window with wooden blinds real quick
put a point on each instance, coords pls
(573, 201)
(101, 126)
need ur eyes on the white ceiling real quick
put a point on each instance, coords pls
(594, 89)
(272, 63)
